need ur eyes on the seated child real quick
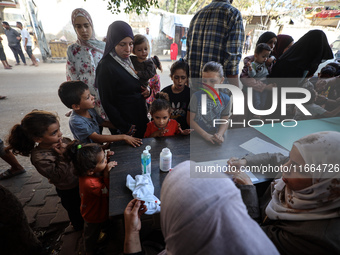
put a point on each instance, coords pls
(326, 83)
(212, 74)
(179, 92)
(39, 136)
(84, 121)
(258, 69)
(162, 125)
(146, 68)
(92, 167)
(316, 110)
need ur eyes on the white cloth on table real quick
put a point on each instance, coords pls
(142, 188)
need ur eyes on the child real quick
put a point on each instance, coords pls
(92, 167)
(84, 120)
(316, 110)
(326, 83)
(39, 135)
(212, 74)
(146, 68)
(179, 92)
(162, 125)
(258, 69)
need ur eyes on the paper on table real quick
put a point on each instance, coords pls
(257, 145)
(224, 162)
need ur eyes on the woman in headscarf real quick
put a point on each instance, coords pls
(84, 55)
(200, 216)
(302, 215)
(303, 58)
(284, 42)
(122, 94)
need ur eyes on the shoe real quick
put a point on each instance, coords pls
(3, 97)
(8, 174)
(25, 64)
(8, 67)
(17, 64)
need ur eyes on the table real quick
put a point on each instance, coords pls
(183, 148)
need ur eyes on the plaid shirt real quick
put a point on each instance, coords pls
(216, 33)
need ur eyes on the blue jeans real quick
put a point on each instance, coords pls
(17, 51)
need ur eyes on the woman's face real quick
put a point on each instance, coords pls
(272, 42)
(124, 47)
(293, 173)
(83, 28)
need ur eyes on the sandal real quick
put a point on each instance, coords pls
(2, 97)
(8, 174)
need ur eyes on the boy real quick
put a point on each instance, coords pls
(316, 110)
(258, 69)
(84, 121)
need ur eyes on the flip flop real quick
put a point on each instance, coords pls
(2, 97)
(8, 174)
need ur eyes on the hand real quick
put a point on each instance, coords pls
(133, 141)
(159, 133)
(132, 130)
(270, 61)
(25, 48)
(241, 178)
(59, 147)
(237, 162)
(249, 66)
(185, 131)
(106, 146)
(209, 138)
(110, 165)
(270, 86)
(260, 87)
(133, 211)
(218, 138)
(18, 38)
(145, 92)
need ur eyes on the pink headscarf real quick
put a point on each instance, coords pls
(93, 42)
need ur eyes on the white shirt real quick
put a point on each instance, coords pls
(25, 34)
(149, 37)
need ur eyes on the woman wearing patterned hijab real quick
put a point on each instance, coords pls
(200, 216)
(121, 92)
(84, 55)
(302, 215)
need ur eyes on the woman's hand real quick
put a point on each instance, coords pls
(238, 163)
(133, 141)
(241, 178)
(209, 138)
(218, 138)
(145, 92)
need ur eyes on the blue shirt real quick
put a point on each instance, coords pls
(83, 127)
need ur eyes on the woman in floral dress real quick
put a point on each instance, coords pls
(84, 55)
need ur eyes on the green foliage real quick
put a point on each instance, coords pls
(183, 5)
(131, 5)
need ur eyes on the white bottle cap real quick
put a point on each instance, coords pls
(145, 152)
(166, 150)
(148, 147)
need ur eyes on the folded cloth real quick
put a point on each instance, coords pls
(142, 188)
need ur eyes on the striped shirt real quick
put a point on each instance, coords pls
(216, 33)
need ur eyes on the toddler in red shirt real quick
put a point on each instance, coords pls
(92, 166)
(162, 125)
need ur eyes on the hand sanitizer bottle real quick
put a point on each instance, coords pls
(165, 160)
(146, 160)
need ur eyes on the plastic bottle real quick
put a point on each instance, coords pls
(165, 160)
(146, 160)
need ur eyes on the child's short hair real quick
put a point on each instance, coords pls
(312, 95)
(328, 71)
(261, 47)
(160, 103)
(336, 65)
(33, 125)
(180, 64)
(83, 156)
(213, 66)
(70, 92)
(139, 39)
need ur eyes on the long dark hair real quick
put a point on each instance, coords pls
(83, 156)
(33, 125)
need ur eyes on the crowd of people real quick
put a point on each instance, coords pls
(108, 87)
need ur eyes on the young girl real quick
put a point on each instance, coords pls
(162, 125)
(179, 92)
(43, 128)
(212, 74)
(146, 68)
(92, 168)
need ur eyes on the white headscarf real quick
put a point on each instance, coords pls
(322, 199)
(205, 216)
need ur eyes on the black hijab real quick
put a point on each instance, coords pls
(305, 55)
(265, 37)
